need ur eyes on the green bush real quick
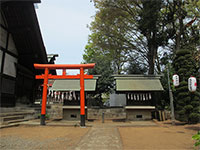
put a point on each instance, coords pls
(47, 116)
(186, 103)
(197, 138)
(194, 117)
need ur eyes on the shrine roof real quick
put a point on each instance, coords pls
(73, 84)
(138, 83)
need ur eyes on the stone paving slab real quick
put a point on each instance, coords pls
(101, 137)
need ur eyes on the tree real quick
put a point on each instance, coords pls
(148, 31)
(150, 27)
(183, 25)
(102, 68)
(129, 28)
(187, 103)
(135, 67)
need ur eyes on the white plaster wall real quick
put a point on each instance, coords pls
(9, 65)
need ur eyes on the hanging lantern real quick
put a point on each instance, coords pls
(192, 84)
(175, 80)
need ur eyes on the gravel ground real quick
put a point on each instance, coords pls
(32, 138)
(15, 142)
(100, 136)
(162, 137)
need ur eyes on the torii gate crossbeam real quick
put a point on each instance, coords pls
(47, 76)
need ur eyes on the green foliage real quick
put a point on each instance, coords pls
(194, 117)
(139, 28)
(102, 68)
(164, 103)
(47, 116)
(197, 138)
(125, 30)
(134, 36)
(187, 103)
(135, 67)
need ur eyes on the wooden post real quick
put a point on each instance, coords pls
(82, 97)
(160, 115)
(163, 115)
(171, 98)
(44, 97)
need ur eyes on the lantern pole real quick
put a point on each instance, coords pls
(171, 98)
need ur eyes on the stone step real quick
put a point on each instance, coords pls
(9, 118)
(14, 121)
(16, 113)
(8, 125)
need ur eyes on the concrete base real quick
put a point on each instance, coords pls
(72, 114)
(42, 120)
(55, 111)
(138, 115)
(109, 113)
(135, 113)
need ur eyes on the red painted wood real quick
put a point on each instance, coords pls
(63, 66)
(82, 92)
(80, 76)
(63, 76)
(44, 95)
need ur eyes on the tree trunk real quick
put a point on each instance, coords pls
(181, 27)
(151, 62)
(152, 53)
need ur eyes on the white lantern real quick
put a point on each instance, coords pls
(175, 80)
(192, 84)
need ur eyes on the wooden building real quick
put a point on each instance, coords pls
(67, 92)
(142, 92)
(21, 46)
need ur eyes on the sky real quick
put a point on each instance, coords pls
(63, 25)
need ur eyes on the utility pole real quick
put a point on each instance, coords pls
(171, 98)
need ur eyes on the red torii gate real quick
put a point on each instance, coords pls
(47, 76)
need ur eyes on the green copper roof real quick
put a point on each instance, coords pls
(73, 85)
(138, 83)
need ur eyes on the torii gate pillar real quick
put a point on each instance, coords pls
(47, 76)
